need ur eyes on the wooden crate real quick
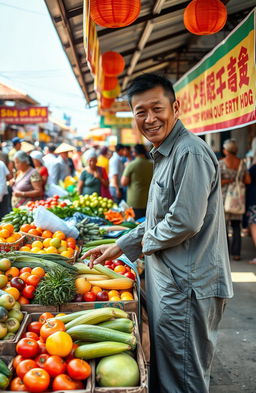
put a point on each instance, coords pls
(38, 308)
(143, 386)
(6, 247)
(126, 305)
(8, 346)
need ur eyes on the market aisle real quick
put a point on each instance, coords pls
(235, 358)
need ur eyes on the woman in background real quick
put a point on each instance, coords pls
(37, 158)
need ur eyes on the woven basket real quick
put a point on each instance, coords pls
(6, 247)
(32, 238)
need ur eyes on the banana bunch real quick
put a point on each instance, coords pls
(88, 231)
(18, 218)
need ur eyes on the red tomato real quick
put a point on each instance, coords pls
(55, 365)
(129, 275)
(50, 327)
(37, 380)
(63, 382)
(34, 327)
(18, 386)
(117, 263)
(33, 280)
(31, 335)
(17, 360)
(90, 297)
(27, 347)
(29, 291)
(108, 262)
(24, 367)
(71, 245)
(78, 369)
(42, 346)
(72, 353)
(79, 385)
(25, 269)
(41, 360)
(46, 315)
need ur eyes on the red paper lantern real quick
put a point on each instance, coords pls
(112, 63)
(204, 17)
(114, 13)
(109, 82)
(106, 103)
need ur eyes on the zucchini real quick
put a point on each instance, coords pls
(4, 369)
(95, 243)
(97, 333)
(97, 316)
(121, 324)
(103, 348)
(4, 382)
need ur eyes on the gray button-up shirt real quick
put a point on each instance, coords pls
(184, 233)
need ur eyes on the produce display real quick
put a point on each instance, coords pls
(18, 217)
(48, 203)
(96, 203)
(8, 234)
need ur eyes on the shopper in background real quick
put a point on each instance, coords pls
(187, 270)
(28, 184)
(228, 169)
(4, 196)
(137, 176)
(64, 167)
(103, 158)
(93, 178)
(77, 159)
(128, 156)
(251, 204)
(116, 168)
(37, 158)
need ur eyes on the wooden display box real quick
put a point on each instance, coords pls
(8, 346)
(126, 305)
(39, 308)
(140, 358)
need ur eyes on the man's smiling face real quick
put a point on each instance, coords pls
(155, 114)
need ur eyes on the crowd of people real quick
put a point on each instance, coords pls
(122, 174)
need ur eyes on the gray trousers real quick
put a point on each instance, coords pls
(183, 335)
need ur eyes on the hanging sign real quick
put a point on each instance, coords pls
(218, 94)
(28, 115)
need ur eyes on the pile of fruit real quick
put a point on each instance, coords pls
(50, 243)
(18, 217)
(19, 283)
(48, 203)
(8, 234)
(96, 203)
(45, 358)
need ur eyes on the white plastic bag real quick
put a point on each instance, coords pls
(52, 189)
(47, 220)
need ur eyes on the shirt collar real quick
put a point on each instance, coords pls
(167, 145)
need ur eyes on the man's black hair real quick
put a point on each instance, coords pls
(141, 149)
(51, 148)
(146, 82)
(119, 147)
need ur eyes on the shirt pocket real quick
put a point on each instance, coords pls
(160, 201)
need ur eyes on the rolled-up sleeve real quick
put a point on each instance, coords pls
(193, 178)
(130, 243)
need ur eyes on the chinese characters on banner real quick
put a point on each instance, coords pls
(29, 115)
(219, 92)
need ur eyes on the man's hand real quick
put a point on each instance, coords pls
(102, 253)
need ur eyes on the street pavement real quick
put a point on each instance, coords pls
(234, 365)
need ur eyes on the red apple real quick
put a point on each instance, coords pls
(102, 296)
(89, 297)
(129, 275)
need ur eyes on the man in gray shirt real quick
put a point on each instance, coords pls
(184, 242)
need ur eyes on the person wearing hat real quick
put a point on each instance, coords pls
(66, 165)
(37, 158)
(16, 142)
(94, 178)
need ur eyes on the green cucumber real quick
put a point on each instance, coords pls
(97, 316)
(121, 324)
(4, 369)
(89, 333)
(4, 382)
(103, 348)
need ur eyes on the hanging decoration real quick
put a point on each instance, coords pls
(106, 103)
(112, 63)
(109, 82)
(112, 93)
(114, 13)
(203, 17)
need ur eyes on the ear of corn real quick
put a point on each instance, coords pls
(115, 283)
(97, 350)
(108, 272)
(95, 277)
(82, 268)
(121, 324)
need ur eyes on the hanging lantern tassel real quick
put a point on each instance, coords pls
(112, 93)
(114, 13)
(109, 82)
(106, 103)
(112, 63)
(203, 17)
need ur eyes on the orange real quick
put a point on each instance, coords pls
(34, 232)
(51, 250)
(38, 271)
(63, 243)
(25, 228)
(14, 292)
(35, 250)
(55, 242)
(126, 296)
(60, 235)
(40, 230)
(46, 233)
(113, 292)
(66, 254)
(12, 272)
(11, 239)
(71, 250)
(82, 285)
(71, 239)
(25, 248)
(9, 227)
(46, 242)
(120, 269)
(2, 240)
(96, 289)
(37, 244)
(61, 249)
(16, 235)
(24, 276)
(5, 233)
